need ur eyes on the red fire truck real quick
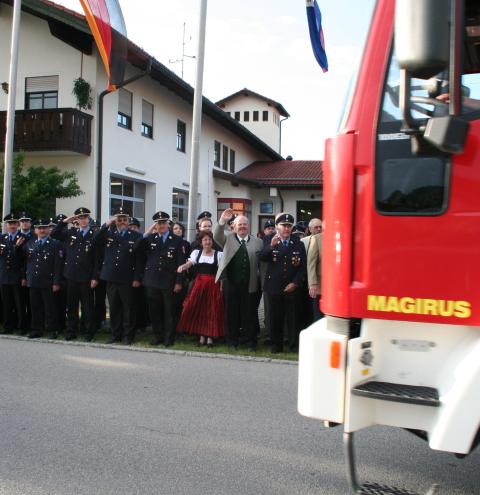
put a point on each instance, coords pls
(400, 342)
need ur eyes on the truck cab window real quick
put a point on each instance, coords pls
(406, 184)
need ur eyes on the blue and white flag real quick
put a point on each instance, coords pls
(314, 17)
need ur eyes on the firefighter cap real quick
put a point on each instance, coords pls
(81, 211)
(161, 216)
(10, 218)
(284, 219)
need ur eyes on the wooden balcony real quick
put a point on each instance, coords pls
(56, 129)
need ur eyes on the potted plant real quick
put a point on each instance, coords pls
(83, 93)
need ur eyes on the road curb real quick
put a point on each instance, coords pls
(153, 350)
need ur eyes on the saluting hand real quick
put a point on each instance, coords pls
(20, 241)
(151, 228)
(69, 219)
(275, 240)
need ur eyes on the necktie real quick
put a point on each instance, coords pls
(285, 243)
(12, 237)
(243, 242)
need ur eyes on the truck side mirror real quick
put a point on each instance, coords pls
(422, 36)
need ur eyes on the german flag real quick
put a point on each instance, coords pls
(108, 28)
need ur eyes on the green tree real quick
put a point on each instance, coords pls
(35, 188)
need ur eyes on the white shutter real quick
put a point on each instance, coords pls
(41, 84)
(125, 102)
(147, 113)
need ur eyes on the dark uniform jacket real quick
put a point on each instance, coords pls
(286, 264)
(120, 264)
(79, 253)
(43, 263)
(161, 260)
(11, 260)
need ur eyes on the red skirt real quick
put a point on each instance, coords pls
(203, 310)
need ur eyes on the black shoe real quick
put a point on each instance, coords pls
(53, 336)
(70, 336)
(156, 341)
(35, 335)
(113, 340)
(128, 340)
(88, 338)
(233, 348)
(168, 344)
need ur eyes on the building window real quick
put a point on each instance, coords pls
(255, 115)
(239, 205)
(225, 157)
(228, 113)
(180, 206)
(232, 161)
(124, 117)
(130, 195)
(237, 115)
(216, 154)
(147, 119)
(265, 115)
(41, 92)
(181, 135)
(246, 116)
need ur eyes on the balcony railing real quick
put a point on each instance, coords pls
(56, 129)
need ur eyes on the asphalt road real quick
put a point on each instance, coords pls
(85, 420)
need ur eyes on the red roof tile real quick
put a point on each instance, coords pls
(284, 172)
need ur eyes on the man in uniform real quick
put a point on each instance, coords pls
(268, 233)
(121, 270)
(139, 294)
(286, 272)
(164, 253)
(79, 271)
(11, 268)
(25, 220)
(238, 269)
(44, 260)
(100, 291)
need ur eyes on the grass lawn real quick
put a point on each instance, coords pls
(189, 344)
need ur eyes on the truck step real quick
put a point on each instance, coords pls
(395, 392)
(376, 489)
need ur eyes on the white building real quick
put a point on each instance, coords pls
(259, 114)
(143, 160)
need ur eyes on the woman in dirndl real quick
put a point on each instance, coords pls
(203, 309)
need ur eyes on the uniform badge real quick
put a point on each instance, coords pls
(296, 258)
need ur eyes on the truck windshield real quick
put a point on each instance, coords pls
(408, 184)
(362, 27)
(428, 96)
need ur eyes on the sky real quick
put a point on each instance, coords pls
(262, 45)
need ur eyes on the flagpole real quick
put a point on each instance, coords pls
(12, 91)
(197, 123)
